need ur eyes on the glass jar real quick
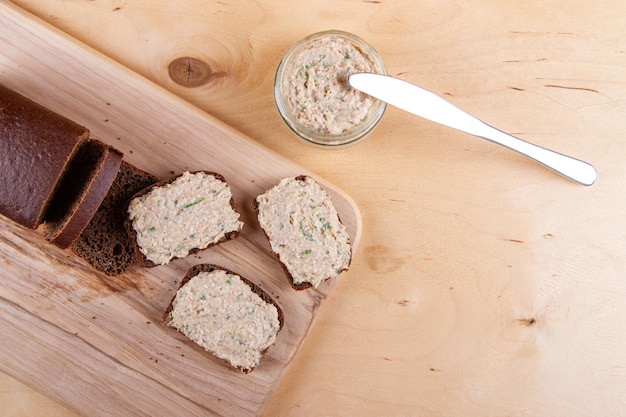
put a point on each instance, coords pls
(313, 95)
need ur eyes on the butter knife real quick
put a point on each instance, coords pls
(423, 103)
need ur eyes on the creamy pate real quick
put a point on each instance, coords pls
(304, 230)
(221, 313)
(316, 87)
(192, 212)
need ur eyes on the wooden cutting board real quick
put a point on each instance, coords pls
(97, 343)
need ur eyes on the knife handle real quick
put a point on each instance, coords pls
(572, 168)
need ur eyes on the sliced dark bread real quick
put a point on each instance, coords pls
(304, 231)
(181, 215)
(105, 242)
(84, 185)
(36, 146)
(226, 314)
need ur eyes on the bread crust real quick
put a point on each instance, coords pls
(196, 269)
(140, 258)
(37, 142)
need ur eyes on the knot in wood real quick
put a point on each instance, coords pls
(189, 72)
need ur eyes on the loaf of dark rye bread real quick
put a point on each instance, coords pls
(105, 243)
(84, 185)
(36, 146)
(181, 215)
(304, 231)
(226, 314)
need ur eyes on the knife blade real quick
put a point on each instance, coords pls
(423, 103)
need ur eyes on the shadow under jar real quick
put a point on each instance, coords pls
(313, 95)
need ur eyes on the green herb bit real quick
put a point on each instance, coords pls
(203, 297)
(229, 279)
(306, 234)
(198, 201)
(152, 229)
(307, 252)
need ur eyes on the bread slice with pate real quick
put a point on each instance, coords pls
(304, 231)
(226, 314)
(181, 215)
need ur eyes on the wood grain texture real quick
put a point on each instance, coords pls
(98, 343)
(484, 284)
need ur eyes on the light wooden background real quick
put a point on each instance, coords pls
(484, 283)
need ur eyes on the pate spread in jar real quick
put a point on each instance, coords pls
(313, 94)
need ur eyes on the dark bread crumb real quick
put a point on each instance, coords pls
(104, 243)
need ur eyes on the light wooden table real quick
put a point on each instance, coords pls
(484, 284)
